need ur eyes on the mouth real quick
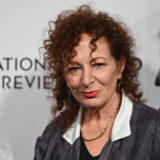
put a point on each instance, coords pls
(90, 94)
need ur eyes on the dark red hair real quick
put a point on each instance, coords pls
(64, 35)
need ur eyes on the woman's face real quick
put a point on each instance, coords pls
(92, 78)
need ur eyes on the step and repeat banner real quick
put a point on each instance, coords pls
(24, 107)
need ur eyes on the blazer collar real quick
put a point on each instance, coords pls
(121, 127)
(74, 131)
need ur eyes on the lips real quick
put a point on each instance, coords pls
(90, 94)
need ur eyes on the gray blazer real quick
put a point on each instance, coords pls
(142, 144)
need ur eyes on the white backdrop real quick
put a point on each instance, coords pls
(24, 111)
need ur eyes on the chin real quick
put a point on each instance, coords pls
(90, 102)
(91, 105)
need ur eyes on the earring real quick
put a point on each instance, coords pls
(69, 92)
(119, 85)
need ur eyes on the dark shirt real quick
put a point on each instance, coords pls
(85, 155)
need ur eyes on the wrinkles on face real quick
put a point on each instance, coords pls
(98, 72)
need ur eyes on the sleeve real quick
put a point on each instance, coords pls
(51, 132)
(41, 147)
(42, 142)
(156, 140)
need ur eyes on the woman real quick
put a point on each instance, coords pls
(100, 115)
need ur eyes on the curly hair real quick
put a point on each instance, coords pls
(64, 35)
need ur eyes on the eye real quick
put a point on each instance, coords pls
(73, 69)
(98, 65)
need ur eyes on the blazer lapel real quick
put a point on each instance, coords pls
(68, 151)
(74, 153)
(111, 151)
(116, 154)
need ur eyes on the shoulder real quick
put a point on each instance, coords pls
(51, 133)
(148, 127)
(52, 129)
(145, 111)
(144, 116)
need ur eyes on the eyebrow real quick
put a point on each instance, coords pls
(93, 59)
(74, 63)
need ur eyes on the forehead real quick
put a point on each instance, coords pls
(84, 47)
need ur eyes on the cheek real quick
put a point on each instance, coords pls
(73, 81)
(107, 77)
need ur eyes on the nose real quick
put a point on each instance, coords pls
(87, 77)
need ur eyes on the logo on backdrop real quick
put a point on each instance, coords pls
(19, 73)
(157, 81)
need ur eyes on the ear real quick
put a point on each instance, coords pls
(121, 66)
